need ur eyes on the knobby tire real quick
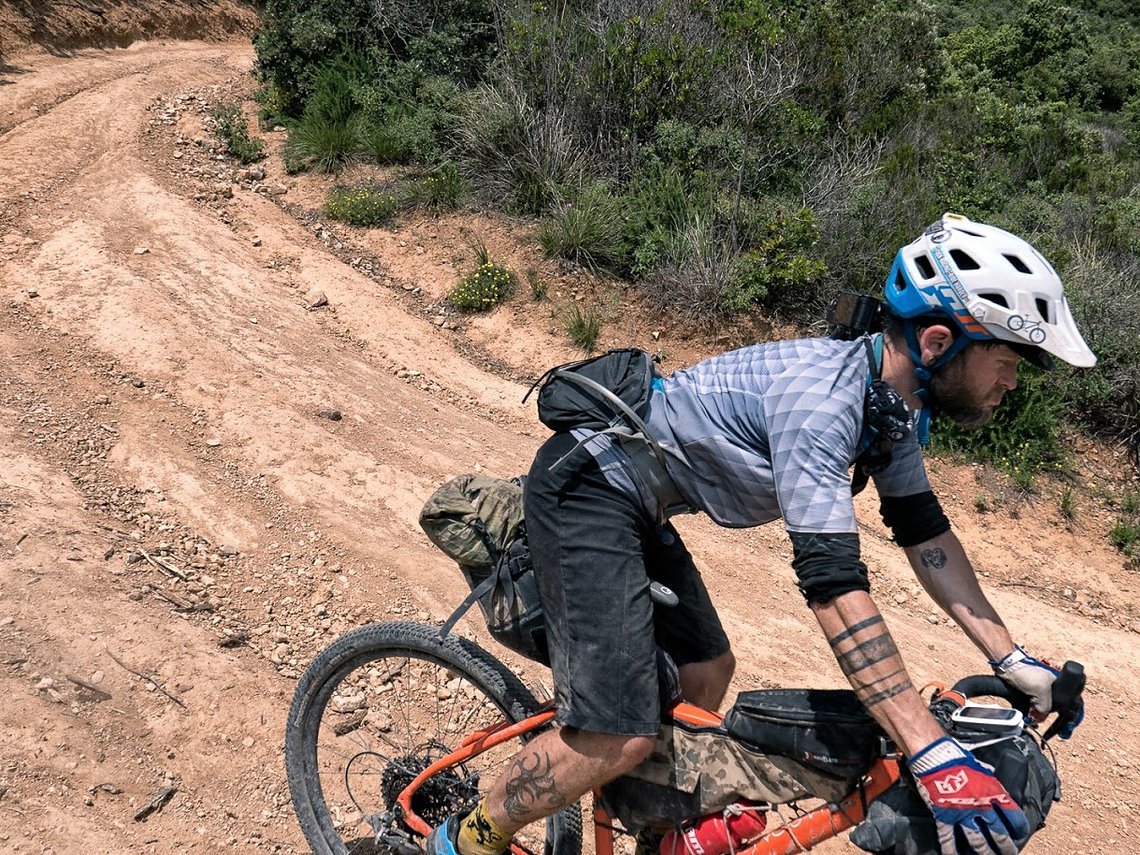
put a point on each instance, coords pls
(437, 690)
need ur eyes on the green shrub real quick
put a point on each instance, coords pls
(368, 204)
(1125, 536)
(272, 109)
(587, 230)
(400, 137)
(693, 273)
(441, 189)
(297, 37)
(483, 288)
(233, 130)
(514, 156)
(335, 99)
(322, 146)
(1024, 437)
(583, 327)
(777, 267)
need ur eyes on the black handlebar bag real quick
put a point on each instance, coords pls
(899, 822)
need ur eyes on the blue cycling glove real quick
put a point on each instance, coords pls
(972, 810)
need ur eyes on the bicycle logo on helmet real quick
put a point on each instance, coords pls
(1033, 329)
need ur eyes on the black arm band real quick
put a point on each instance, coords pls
(827, 565)
(914, 519)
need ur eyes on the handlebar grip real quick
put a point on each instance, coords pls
(996, 687)
(1067, 700)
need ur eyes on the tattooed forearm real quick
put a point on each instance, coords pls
(886, 694)
(868, 653)
(861, 661)
(859, 627)
(882, 688)
(531, 789)
(933, 559)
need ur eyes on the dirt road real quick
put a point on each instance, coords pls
(204, 477)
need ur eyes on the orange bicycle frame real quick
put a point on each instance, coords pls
(802, 833)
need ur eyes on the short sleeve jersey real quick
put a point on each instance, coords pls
(771, 431)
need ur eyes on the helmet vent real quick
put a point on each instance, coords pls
(1043, 306)
(964, 260)
(924, 266)
(1018, 264)
(900, 282)
(999, 299)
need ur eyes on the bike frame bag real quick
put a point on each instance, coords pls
(828, 731)
(694, 771)
(899, 822)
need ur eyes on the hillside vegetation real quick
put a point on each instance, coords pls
(742, 156)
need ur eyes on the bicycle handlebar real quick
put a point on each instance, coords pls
(1067, 694)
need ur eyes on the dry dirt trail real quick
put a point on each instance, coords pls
(204, 481)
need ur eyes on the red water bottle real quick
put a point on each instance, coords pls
(718, 833)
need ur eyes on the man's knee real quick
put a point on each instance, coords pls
(618, 753)
(705, 683)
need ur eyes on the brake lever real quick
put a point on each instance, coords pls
(1068, 702)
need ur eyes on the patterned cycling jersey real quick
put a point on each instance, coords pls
(771, 431)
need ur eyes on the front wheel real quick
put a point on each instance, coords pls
(379, 705)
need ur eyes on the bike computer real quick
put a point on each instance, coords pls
(988, 717)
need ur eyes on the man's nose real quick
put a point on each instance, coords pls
(1008, 377)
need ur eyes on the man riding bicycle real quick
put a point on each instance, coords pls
(771, 431)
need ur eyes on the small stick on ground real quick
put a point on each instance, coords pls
(142, 676)
(156, 803)
(90, 687)
(163, 565)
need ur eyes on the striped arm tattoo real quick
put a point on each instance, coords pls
(863, 646)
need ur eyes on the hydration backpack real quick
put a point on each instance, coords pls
(477, 521)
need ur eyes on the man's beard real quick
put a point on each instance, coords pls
(951, 396)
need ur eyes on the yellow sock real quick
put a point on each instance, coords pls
(480, 835)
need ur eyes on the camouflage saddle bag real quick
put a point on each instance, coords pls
(477, 521)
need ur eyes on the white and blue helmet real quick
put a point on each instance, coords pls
(992, 285)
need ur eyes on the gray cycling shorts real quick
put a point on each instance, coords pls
(595, 552)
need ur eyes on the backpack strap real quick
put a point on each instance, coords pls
(876, 451)
(470, 600)
(500, 573)
(623, 409)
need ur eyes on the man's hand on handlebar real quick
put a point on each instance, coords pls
(973, 812)
(1036, 678)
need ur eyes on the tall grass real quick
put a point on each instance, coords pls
(584, 326)
(587, 230)
(322, 146)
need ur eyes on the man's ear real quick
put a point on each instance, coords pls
(934, 341)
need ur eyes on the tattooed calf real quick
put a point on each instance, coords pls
(531, 788)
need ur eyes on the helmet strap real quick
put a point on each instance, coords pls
(925, 373)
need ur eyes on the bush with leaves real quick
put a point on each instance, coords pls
(233, 130)
(455, 38)
(777, 266)
(483, 288)
(587, 229)
(439, 189)
(366, 204)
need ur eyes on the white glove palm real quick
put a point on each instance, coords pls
(1034, 677)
